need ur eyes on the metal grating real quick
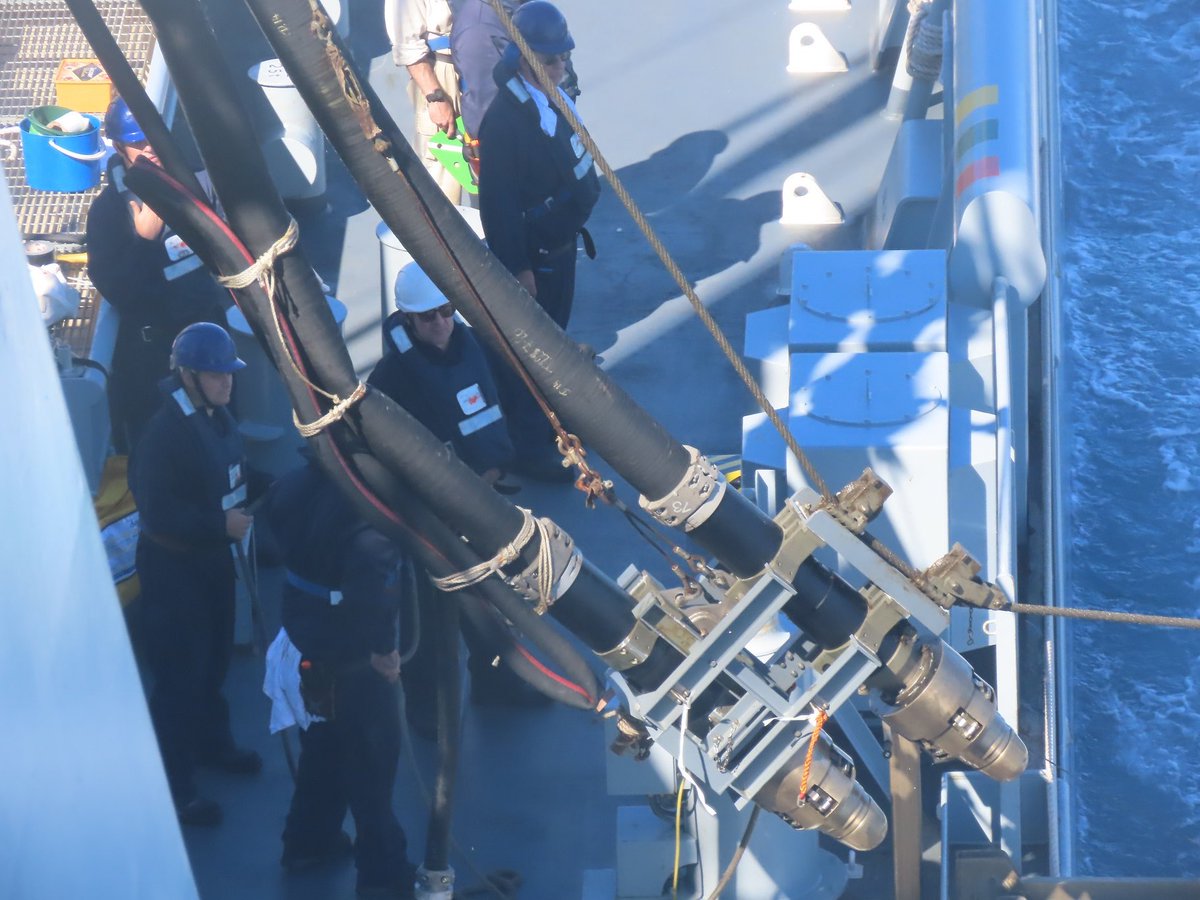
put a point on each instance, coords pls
(35, 36)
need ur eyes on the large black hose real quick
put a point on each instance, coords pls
(425, 536)
(129, 87)
(431, 229)
(394, 180)
(466, 503)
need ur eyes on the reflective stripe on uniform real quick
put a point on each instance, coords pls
(234, 497)
(480, 420)
(182, 267)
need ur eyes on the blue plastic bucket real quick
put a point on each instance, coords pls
(63, 162)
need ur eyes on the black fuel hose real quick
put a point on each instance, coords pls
(396, 184)
(214, 242)
(394, 181)
(235, 163)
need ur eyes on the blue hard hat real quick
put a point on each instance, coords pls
(543, 27)
(120, 125)
(205, 347)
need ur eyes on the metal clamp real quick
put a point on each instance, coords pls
(952, 580)
(633, 650)
(694, 499)
(565, 564)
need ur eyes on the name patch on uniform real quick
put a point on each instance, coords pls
(176, 248)
(181, 268)
(470, 400)
(482, 420)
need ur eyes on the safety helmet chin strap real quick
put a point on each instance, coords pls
(195, 389)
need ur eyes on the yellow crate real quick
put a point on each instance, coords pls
(82, 85)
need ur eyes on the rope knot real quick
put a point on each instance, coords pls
(262, 269)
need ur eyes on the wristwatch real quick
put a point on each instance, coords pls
(438, 96)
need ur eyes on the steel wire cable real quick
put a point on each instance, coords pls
(684, 285)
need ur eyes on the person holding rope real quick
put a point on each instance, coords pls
(188, 477)
(339, 645)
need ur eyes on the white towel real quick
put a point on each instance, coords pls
(282, 684)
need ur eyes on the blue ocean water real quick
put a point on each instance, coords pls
(1130, 100)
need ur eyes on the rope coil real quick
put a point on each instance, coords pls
(508, 554)
(263, 271)
(340, 408)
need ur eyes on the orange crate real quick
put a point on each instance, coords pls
(82, 85)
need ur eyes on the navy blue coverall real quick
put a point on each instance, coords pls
(341, 603)
(450, 392)
(187, 469)
(536, 191)
(158, 287)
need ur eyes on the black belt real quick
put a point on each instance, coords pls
(155, 333)
(589, 246)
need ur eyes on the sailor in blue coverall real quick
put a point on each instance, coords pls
(341, 603)
(188, 477)
(537, 184)
(537, 187)
(149, 275)
(435, 368)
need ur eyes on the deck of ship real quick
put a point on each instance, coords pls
(35, 35)
(693, 106)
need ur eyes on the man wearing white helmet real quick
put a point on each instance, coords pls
(437, 371)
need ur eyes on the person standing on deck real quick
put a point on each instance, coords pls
(420, 34)
(149, 276)
(340, 644)
(436, 369)
(187, 475)
(537, 188)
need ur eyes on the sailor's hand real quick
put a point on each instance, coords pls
(146, 222)
(442, 114)
(525, 277)
(388, 666)
(237, 523)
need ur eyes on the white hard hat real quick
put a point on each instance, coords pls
(415, 292)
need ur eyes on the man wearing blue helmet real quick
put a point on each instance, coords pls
(148, 274)
(537, 187)
(188, 477)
